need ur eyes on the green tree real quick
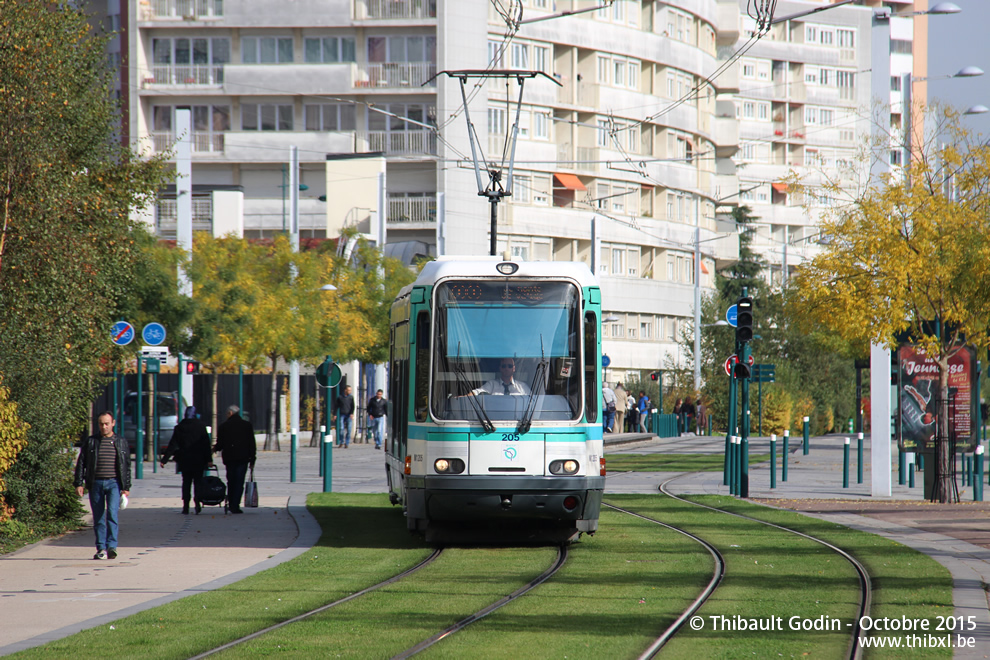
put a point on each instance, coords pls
(905, 253)
(67, 246)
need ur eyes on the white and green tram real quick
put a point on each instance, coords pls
(468, 457)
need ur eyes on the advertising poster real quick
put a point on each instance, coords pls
(918, 391)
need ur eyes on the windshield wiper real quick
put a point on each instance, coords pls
(479, 412)
(539, 381)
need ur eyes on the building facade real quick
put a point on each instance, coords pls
(623, 156)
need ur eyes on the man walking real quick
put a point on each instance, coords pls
(377, 408)
(235, 441)
(104, 468)
(345, 410)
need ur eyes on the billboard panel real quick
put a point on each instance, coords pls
(917, 394)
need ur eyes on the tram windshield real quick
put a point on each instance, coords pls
(507, 350)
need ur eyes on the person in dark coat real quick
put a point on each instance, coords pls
(345, 410)
(236, 444)
(190, 446)
(104, 469)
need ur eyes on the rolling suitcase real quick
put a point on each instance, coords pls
(212, 490)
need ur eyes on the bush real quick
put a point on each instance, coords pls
(777, 410)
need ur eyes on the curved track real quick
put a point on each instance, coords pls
(426, 562)
(460, 625)
(717, 576)
(866, 592)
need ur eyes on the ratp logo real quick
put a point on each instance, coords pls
(510, 452)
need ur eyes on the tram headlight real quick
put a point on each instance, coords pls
(448, 466)
(567, 466)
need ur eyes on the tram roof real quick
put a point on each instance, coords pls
(485, 267)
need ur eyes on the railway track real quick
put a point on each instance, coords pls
(323, 608)
(866, 594)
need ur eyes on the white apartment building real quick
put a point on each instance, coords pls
(806, 106)
(617, 165)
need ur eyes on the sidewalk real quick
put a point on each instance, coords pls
(53, 589)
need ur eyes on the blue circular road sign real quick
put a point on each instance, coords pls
(730, 315)
(122, 333)
(153, 334)
(606, 360)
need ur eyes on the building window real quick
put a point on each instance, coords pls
(645, 330)
(541, 125)
(266, 117)
(330, 117)
(496, 121)
(329, 50)
(266, 50)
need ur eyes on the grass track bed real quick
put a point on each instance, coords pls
(618, 591)
(671, 462)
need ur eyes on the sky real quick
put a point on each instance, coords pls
(955, 41)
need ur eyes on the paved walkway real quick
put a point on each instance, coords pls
(53, 589)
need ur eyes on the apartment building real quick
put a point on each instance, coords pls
(806, 107)
(624, 149)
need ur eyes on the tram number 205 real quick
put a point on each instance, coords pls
(510, 437)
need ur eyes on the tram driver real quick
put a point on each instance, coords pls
(505, 383)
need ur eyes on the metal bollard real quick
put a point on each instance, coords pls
(901, 466)
(911, 476)
(773, 460)
(734, 486)
(744, 465)
(859, 458)
(806, 431)
(845, 463)
(727, 461)
(787, 439)
(978, 479)
(292, 460)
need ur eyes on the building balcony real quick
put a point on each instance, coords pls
(157, 10)
(396, 75)
(185, 75)
(203, 142)
(395, 9)
(406, 211)
(398, 143)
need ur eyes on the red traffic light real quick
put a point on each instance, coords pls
(192, 367)
(654, 376)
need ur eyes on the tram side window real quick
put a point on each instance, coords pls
(592, 395)
(422, 382)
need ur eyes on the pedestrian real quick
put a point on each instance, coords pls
(345, 410)
(688, 410)
(236, 444)
(377, 408)
(644, 408)
(620, 408)
(632, 412)
(608, 408)
(190, 446)
(104, 468)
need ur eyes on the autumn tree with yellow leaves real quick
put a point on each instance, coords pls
(912, 250)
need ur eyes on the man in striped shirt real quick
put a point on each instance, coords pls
(104, 469)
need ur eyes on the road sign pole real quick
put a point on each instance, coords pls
(744, 442)
(759, 398)
(155, 420)
(182, 412)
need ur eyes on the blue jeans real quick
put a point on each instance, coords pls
(104, 499)
(345, 431)
(378, 429)
(608, 419)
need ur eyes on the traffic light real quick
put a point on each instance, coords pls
(744, 319)
(741, 370)
(192, 367)
(654, 376)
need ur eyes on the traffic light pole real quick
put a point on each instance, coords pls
(744, 431)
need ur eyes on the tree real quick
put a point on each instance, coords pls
(906, 253)
(224, 293)
(67, 245)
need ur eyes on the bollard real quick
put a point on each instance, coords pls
(859, 458)
(734, 476)
(911, 475)
(845, 463)
(732, 464)
(966, 477)
(773, 460)
(727, 461)
(327, 450)
(806, 430)
(787, 439)
(323, 438)
(920, 462)
(978, 480)
(292, 461)
(901, 466)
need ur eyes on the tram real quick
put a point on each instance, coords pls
(495, 383)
